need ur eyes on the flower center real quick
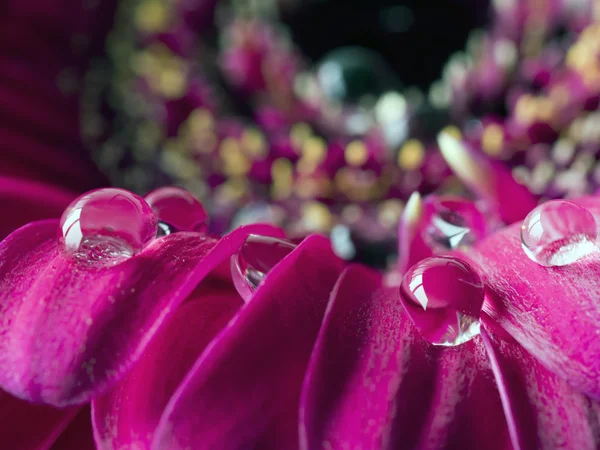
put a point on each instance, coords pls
(414, 37)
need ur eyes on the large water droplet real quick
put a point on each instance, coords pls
(177, 210)
(254, 260)
(443, 296)
(558, 232)
(106, 226)
(452, 222)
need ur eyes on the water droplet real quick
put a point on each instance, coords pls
(254, 260)
(177, 210)
(452, 222)
(558, 232)
(443, 296)
(106, 226)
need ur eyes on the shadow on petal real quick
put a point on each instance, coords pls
(78, 435)
(32, 427)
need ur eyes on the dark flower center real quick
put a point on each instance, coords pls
(415, 37)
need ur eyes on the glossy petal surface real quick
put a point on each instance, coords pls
(69, 331)
(374, 383)
(127, 416)
(551, 311)
(244, 391)
(545, 411)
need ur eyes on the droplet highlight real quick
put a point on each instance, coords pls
(452, 223)
(254, 260)
(105, 226)
(558, 233)
(177, 210)
(443, 296)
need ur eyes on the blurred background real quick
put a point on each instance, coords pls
(316, 115)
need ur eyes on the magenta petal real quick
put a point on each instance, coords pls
(78, 435)
(127, 416)
(544, 411)
(412, 247)
(551, 311)
(69, 330)
(25, 201)
(32, 427)
(489, 179)
(243, 392)
(373, 382)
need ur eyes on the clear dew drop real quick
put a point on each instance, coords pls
(453, 223)
(106, 226)
(443, 296)
(177, 210)
(558, 233)
(254, 260)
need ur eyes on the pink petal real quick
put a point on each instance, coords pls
(243, 392)
(374, 383)
(489, 179)
(31, 427)
(412, 247)
(545, 411)
(26, 201)
(69, 331)
(127, 416)
(78, 435)
(551, 311)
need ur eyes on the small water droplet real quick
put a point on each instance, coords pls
(254, 260)
(443, 296)
(452, 223)
(106, 226)
(177, 210)
(558, 232)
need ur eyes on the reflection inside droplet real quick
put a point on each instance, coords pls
(443, 296)
(558, 232)
(106, 226)
(178, 210)
(254, 260)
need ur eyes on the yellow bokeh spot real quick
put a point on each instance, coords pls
(299, 133)
(317, 217)
(492, 139)
(234, 161)
(452, 131)
(152, 16)
(172, 83)
(199, 120)
(282, 172)
(254, 142)
(233, 189)
(526, 109)
(314, 149)
(411, 155)
(356, 153)
(389, 212)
